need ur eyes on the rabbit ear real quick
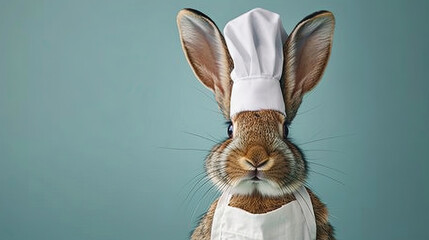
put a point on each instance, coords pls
(306, 52)
(207, 54)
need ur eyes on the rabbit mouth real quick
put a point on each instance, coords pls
(263, 186)
(255, 179)
(255, 175)
(247, 186)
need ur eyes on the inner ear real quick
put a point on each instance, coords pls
(199, 45)
(312, 52)
(306, 53)
(207, 54)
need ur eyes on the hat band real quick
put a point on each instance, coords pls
(252, 94)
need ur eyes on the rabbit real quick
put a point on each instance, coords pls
(258, 140)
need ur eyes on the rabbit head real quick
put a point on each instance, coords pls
(258, 157)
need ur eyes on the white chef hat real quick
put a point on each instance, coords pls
(255, 42)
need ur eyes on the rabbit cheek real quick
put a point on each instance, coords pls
(215, 166)
(280, 169)
(233, 168)
(299, 171)
(298, 156)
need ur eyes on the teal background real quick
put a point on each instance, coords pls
(91, 92)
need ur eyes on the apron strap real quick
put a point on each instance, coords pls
(304, 201)
(220, 208)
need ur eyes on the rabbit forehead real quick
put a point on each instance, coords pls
(260, 118)
(261, 125)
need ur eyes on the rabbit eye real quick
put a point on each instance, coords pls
(230, 130)
(285, 130)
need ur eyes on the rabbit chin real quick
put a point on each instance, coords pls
(263, 187)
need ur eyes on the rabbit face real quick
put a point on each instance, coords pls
(258, 158)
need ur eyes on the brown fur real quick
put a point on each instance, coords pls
(258, 204)
(255, 132)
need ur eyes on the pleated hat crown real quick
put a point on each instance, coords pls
(255, 41)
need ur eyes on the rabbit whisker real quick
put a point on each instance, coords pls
(325, 166)
(327, 176)
(321, 150)
(326, 138)
(308, 110)
(200, 136)
(205, 94)
(222, 183)
(191, 149)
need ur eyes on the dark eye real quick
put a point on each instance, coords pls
(230, 130)
(285, 130)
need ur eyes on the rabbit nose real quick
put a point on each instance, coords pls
(257, 157)
(260, 165)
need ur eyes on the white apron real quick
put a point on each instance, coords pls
(293, 221)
